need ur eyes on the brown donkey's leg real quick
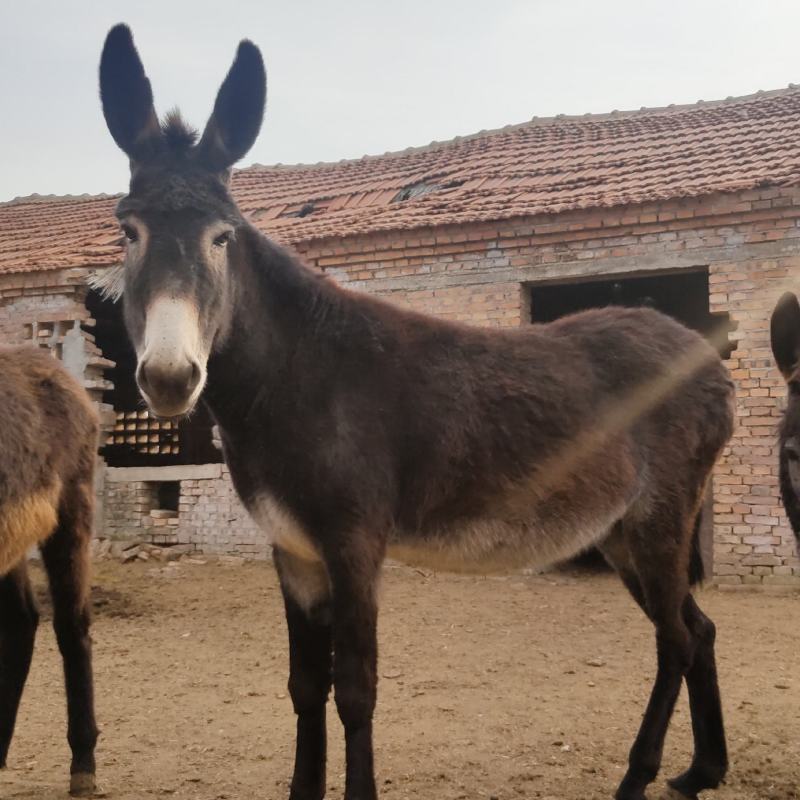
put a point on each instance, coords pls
(18, 621)
(310, 661)
(653, 551)
(66, 557)
(355, 616)
(710, 762)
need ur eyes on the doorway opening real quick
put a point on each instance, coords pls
(681, 295)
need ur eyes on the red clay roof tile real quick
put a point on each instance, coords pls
(542, 166)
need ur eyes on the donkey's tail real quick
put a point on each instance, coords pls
(697, 570)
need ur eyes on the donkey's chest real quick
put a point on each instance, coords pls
(281, 527)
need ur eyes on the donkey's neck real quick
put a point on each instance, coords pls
(283, 314)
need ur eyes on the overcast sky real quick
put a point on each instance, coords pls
(351, 77)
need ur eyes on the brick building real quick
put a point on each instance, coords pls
(694, 210)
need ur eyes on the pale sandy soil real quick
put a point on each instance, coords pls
(486, 689)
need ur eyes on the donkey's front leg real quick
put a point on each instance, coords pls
(306, 595)
(66, 558)
(18, 621)
(354, 577)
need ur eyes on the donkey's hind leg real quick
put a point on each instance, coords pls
(66, 557)
(655, 573)
(710, 762)
(18, 621)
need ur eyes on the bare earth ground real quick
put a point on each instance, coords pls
(490, 688)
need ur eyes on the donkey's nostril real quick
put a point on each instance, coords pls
(141, 378)
(194, 377)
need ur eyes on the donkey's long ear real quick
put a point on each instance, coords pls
(785, 334)
(126, 95)
(238, 111)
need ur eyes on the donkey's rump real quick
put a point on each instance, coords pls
(49, 429)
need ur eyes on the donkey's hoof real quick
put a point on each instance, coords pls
(696, 779)
(82, 784)
(671, 793)
(630, 793)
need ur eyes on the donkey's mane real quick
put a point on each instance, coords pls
(339, 310)
(300, 285)
(179, 136)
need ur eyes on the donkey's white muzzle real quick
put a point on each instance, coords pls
(171, 372)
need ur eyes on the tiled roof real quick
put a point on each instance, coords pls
(541, 166)
(50, 233)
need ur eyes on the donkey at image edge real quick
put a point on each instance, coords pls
(48, 446)
(785, 340)
(353, 428)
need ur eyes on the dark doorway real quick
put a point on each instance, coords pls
(139, 439)
(682, 295)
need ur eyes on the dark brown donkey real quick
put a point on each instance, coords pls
(48, 442)
(785, 336)
(352, 427)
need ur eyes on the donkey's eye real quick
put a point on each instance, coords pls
(129, 233)
(222, 239)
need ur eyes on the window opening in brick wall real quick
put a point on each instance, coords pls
(168, 495)
(682, 295)
(48, 335)
(139, 439)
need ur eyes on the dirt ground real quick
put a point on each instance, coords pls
(521, 686)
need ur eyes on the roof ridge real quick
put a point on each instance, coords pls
(608, 155)
(39, 199)
(643, 111)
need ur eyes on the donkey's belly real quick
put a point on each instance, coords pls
(491, 544)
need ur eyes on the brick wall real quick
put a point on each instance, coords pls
(210, 516)
(753, 541)
(214, 520)
(749, 242)
(46, 298)
(128, 505)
